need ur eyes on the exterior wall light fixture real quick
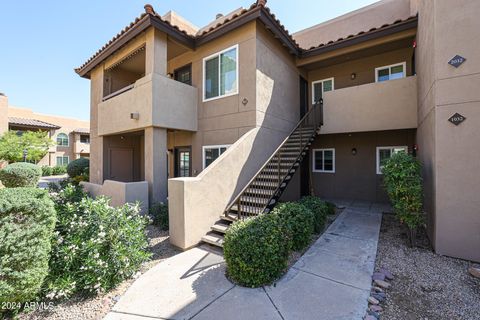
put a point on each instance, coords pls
(354, 151)
(134, 115)
(353, 76)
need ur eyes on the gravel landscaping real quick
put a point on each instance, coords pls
(97, 307)
(425, 285)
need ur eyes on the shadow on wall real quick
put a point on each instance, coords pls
(196, 203)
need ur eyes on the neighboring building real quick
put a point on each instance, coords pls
(71, 136)
(208, 108)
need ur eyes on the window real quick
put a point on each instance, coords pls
(62, 140)
(392, 72)
(211, 153)
(62, 161)
(323, 160)
(84, 138)
(321, 86)
(384, 153)
(184, 74)
(220, 74)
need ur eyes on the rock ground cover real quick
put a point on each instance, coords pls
(425, 285)
(97, 307)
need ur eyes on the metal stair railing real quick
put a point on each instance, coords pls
(266, 186)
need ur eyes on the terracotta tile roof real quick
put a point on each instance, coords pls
(256, 10)
(31, 123)
(364, 32)
(82, 130)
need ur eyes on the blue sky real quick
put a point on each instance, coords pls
(43, 41)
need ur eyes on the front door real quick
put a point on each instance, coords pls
(305, 165)
(183, 162)
(121, 164)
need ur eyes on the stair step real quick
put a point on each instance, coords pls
(220, 227)
(256, 199)
(248, 209)
(231, 217)
(213, 238)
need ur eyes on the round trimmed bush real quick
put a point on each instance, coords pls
(20, 174)
(27, 220)
(319, 209)
(256, 251)
(297, 221)
(78, 167)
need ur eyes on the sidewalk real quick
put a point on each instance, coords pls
(331, 281)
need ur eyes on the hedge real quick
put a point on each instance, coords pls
(297, 221)
(320, 210)
(20, 174)
(256, 250)
(78, 167)
(27, 221)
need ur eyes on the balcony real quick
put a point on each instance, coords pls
(81, 147)
(387, 105)
(153, 100)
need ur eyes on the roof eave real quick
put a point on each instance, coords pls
(367, 36)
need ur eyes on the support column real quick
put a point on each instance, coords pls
(156, 163)
(156, 52)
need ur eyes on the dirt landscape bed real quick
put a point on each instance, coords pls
(426, 285)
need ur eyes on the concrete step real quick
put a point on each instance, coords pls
(220, 227)
(214, 239)
(231, 217)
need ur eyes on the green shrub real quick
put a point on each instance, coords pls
(159, 214)
(20, 174)
(297, 221)
(319, 209)
(403, 182)
(78, 167)
(95, 246)
(330, 208)
(47, 171)
(59, 170)
(256, 250)
(27, 220)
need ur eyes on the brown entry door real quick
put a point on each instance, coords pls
(121, 164)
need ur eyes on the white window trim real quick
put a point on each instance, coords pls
(383, 148)
(218, 146)
(56, 160)
(333, 160)
(219, 75)
(404, 64)
(322, 81)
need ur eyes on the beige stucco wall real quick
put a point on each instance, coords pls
(363, 68)
(67, 126)
(159, 102)
(451, 171)
(372, 16)
(387, 105)
(120, 192)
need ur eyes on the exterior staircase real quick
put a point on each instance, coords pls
(263, 191)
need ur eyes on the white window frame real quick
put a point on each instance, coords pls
(219, 74)
(56, 160)
(218, 146)
(379, 170)
(321, 81)
(314, 151)
(68, 140)
(404, 64)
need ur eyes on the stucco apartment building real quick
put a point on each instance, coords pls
(227, 119)
(71, 136)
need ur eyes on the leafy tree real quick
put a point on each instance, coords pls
(36, 143)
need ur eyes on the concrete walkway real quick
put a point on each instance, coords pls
(331, 281)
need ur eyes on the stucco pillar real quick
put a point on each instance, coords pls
(156, 163)
(3, 113)
(156, 52)
(96, 141)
